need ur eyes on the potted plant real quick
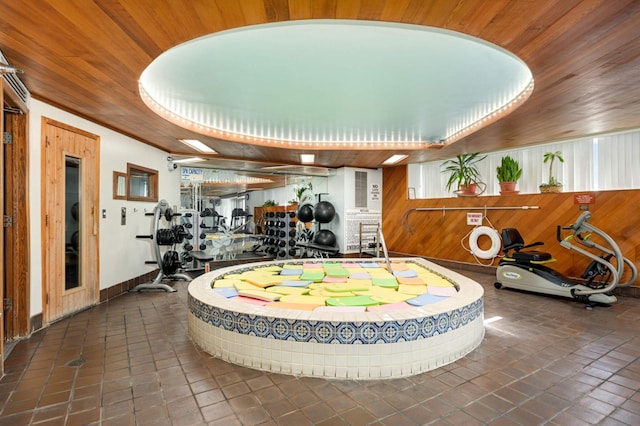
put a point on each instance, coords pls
(508, 173)
(300, 192)
(463, 173)
(553, 185)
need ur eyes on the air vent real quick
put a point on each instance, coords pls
(14, 82)
(361, 189)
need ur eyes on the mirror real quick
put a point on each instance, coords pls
(119, 186)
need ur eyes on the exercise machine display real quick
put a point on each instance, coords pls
(527, 270)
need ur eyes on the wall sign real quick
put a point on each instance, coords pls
(584, 198)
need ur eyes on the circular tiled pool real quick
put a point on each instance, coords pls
(387, 340)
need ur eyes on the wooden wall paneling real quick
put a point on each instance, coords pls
(17, 237)
(438, 234)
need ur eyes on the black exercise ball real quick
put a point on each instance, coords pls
(324, 212)
(305, 213)
(325, 237)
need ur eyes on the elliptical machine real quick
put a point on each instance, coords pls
(526, 270)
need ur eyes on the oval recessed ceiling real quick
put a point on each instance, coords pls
(334, 84)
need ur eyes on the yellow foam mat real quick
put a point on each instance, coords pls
(352, 301)
(307, 300)
(410, 280)
(350, 285)
(393, 297)
(225, 282)
(412, 289)
(262, 280)
(375, 291)
(327, 293)
(284, 290)
(233, 277)
(260, 295)
(243, 285)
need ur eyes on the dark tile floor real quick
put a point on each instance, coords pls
(130, 362)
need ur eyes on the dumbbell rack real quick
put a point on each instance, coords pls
(280, 231)
(159, 237)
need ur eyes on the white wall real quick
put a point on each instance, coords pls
(122, 256)
(342, 193)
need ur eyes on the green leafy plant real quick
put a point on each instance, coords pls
(509, 170)
(300, 190)
(550, 157)
(269, 203)
(463, 170)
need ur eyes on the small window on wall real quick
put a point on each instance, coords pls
(142, 183)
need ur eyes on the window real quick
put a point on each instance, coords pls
(603, 163)
(142, 183)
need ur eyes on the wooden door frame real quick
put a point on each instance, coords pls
(95, 290)
(14, 249)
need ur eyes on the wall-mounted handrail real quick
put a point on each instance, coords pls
(405, 216)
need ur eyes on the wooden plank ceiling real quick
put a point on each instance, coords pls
(86, 57)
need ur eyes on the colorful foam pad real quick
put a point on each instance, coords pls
(391, 298)
(291, 271)
(350, 285)
(225, 283)
(408, 273)
(411, 281)
(243, 285)
(396, 266)
(283, 290)
(388, 307)
(360, 276)
(369, 265)
(337, 272)
(262, 280)
(328, 279)
(310, 265)
(425, 299)
(385, 282)
(351, 301)
(295, 283)
(311, 275)
(227, 292)
(327, 293)
(305, 299)
(260, 295)
(252, 301)
(441, 291)
(412, 289)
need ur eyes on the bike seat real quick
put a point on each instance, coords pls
(512, 241)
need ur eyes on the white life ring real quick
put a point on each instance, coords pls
(496, 243)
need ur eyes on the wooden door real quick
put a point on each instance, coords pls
(70, 219)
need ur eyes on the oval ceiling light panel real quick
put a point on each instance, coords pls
(336, 84)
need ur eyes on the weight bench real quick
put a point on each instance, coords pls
(316, 250)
